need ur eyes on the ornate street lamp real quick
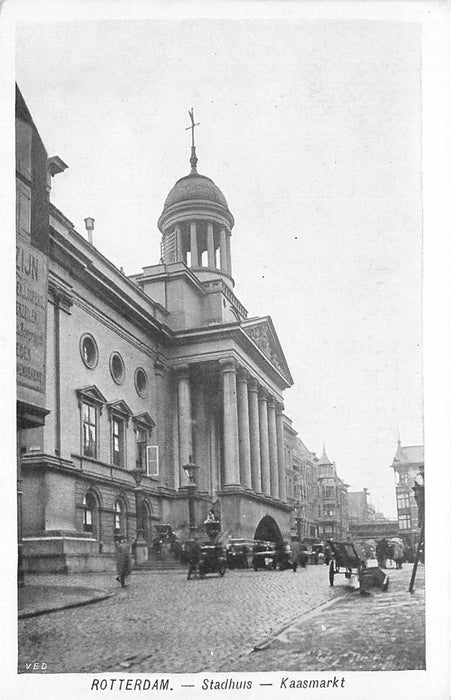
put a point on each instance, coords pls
(141, 547)
(190, 469)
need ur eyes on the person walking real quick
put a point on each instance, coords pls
(398, 554)
(123, 561)
(193, 558)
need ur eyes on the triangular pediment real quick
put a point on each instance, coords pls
(144, 419)
(263, 334)
(120, 407)
(91, 393)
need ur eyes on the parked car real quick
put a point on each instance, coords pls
(265, 556)
(212, 559)
(236, 556)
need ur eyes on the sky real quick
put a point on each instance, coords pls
(312, 130)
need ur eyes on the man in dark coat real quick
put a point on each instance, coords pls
(123, 561)
(193, 553)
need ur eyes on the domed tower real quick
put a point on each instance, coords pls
(196, 225)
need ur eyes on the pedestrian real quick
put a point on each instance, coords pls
(382, 553)
(327, 552)
(398, 554)
(193, 558)
(295, 551)
(123, 561)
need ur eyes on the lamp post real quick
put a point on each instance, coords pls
(190, 469)
(141, 547)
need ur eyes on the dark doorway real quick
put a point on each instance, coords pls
(268, 530)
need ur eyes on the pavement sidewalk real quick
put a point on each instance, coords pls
(381, 632)
(37, 600)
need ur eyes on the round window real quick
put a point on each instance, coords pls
(141, 382)
(88, 351)
(117, 367)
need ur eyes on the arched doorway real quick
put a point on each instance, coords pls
(267, 529)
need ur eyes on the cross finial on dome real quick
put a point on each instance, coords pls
(193, 159)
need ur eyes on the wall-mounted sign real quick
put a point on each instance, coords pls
(31, 315)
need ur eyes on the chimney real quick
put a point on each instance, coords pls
(89, 223)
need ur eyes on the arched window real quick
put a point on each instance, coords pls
(90, 514)
(119, 518)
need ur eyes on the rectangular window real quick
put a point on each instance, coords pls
(153, 467)
(23, 208)
(403, 500)
(23, 148)
(87, 520)
(117, 435)
(141, 448)
(404, 522)
(403, 478)
(89, 430)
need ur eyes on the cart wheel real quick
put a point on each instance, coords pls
(274, 565)
(222, 570)
(331, 573)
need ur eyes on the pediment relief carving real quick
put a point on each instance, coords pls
(262, 336)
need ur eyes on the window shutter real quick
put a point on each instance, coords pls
(153, 467)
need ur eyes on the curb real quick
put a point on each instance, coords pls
(309, 613)
(64, 606)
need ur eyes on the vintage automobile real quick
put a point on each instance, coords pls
(265, 555)
(212, 559)
(236, 555)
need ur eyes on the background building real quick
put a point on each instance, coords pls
(407, 464)
(333, 508)
(361, 510)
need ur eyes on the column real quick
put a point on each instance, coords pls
(185, 422)
(200, 433)
(229, 254)
(211, 245)
(254, 429)
(273, 458)
(223, 250)
(179, 251)
(243, 430)
(160, 403)
(281, 453)
(264, 442)
(194, 253)
(231, 446)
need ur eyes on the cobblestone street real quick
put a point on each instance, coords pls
(163, 623)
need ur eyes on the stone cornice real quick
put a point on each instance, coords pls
(259, 498)
(79, 257)
(235, 332)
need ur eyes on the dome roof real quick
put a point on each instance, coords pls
(195, 186)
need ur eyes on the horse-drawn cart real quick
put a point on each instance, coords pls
(344, 560)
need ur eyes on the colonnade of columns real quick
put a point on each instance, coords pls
(253, 449)
(192, 238)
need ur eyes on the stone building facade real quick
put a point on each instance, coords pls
(144, 374)
(407, 465)
(333, 505)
